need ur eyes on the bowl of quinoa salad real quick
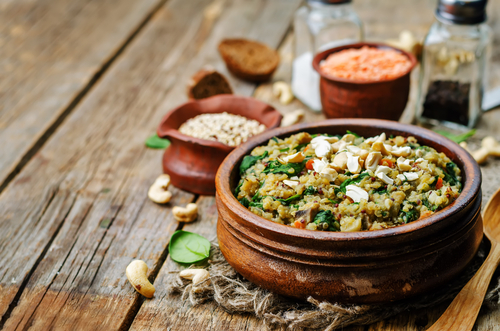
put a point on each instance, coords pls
(364, 80)
(352, 210)
(203, 132)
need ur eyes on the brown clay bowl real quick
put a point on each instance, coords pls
(192, 162)
(352, 267)
(345, 98)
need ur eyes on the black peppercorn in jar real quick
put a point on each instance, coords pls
(455, 53)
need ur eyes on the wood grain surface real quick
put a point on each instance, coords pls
(51, 53)
(81, 93)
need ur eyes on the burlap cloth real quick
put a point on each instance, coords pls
(237, 295)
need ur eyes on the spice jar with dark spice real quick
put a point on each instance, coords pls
(453, 71)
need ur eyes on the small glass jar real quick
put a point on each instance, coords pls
(319, 25)
(453, 68)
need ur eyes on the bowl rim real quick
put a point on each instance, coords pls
(176, 134)
(471, 187)
(324, 54)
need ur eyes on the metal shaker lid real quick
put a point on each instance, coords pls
(461, 11)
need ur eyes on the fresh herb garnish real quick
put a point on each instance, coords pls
(285, 149)
(188, 247)
(249, 161)
(409, 216)
(275, 167)
(457, 138)
(156, 142)
(275, 139)
(352, 181)
(326, 217)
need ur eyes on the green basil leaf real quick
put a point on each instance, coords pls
(457, 138)
(188, 247)
(156, 142)
(249, 161)
(244, 202)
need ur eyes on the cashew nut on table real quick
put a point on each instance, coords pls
(187, 214)
(489, 147)
(196, 275)
(137, 275)
(283, 91)
(293, 117)
(158, 191)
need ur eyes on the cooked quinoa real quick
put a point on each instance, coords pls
(346, 183)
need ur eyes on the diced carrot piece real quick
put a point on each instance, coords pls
(309, 164)
(386, 162)
(299, 225)
(439, 183)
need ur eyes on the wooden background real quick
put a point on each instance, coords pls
(84, 83)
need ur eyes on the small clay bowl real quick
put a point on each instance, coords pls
(346, 98)
(192, 162)
(352, 267)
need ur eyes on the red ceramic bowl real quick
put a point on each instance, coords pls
(192, 162)
(345, 98)
(358, 267)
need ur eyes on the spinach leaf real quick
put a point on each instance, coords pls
(449, 174)
(259, 205)
(310, 191)
(334, 201)
(244, 202)
(188, 247)
(353, 133)
(326, 217)
(249, 161)
(409, 216)
(430, 207)
(237, 190)
(457, 138)
(300, 147)
(285, 149)
(156, 142)
(275, 167)
(287, 201)
(257, 197)
(351, 181)
(275, 139)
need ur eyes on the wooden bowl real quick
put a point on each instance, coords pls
(346, 98)
(352, 267)
(192, 162)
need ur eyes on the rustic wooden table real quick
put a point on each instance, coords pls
(84, 83)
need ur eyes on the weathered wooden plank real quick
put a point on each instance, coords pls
(50, 53)
(78, 213)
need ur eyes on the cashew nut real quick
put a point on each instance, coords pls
(283, 91)
(489, 146)
(137, 275)
(492, 145)
(196, 275)
(158, 191)
(187, 214)
(293, 117)
(372, 161)
(340, 161)
(406, 42)
(381, 147)
(295, 158)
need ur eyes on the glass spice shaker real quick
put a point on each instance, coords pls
(453, 68)
(319, 25)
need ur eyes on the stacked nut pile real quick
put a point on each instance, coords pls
(228, 129)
